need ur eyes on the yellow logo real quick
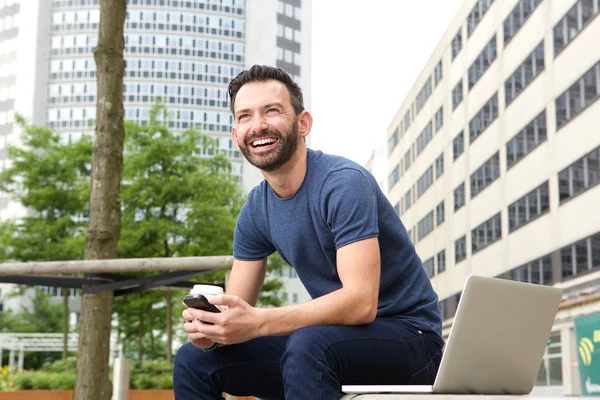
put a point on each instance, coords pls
(586, 348)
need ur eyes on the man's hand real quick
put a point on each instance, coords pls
(239, 322)
(195, 337)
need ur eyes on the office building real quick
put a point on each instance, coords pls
(494, 163)
(183, 53)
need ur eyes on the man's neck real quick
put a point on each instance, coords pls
(286, 181)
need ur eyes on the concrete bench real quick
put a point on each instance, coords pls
(450, 397)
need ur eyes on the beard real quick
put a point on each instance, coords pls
(271, 160)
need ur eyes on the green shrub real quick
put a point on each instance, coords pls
(144, 381)
(152, 367)
(63, 381)
(24, 381)
(165, 382)
(42, 381)
(67, 365)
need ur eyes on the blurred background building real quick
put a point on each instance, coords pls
(494, 160)
(183, 53)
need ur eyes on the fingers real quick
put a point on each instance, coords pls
(226, 300)
(190, 327)
(204, 316)
(196, 336)
(187, 316)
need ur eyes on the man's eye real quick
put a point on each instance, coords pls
(243, 116)
(272, 110)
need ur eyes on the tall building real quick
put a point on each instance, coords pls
(183, 53)
(494, 162)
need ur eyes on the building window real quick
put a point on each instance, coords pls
(424, 138)
(580, 176)
(457, 94)
(439, 119)
(439, 166)
(526, 140)
(397, 208)
(457, 44)
(516, 19)
(459, 197)
(538, 271)
(525, 74)
(425, 181)
(407, 121)
(485, 175)
(407, 200)
(485, 234)
(460, 249)
(458, 145)
(550, 372)
(425, 225)
(482, 62)
(439, 213)
(424, 95)
(529, 207)
(437, 74)
(394, 177)
(576, 19)
(295, 298)
(484, 118)
(580, 95)
(441, 261)
(429, 267)
(477, 14)
(407, 161)
(393, 141)
(580, 257)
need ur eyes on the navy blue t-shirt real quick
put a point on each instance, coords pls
(339, 202)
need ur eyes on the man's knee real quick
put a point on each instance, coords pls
(311, 341)
(190, 360)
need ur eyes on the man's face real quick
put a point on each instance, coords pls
(266, 126)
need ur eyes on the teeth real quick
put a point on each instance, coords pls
(263, 141)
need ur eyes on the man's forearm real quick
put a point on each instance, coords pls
(342, 307)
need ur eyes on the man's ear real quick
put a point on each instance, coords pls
(234, 138)
(305, 121)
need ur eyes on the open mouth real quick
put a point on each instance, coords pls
(263, 143)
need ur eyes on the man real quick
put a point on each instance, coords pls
(374, 316)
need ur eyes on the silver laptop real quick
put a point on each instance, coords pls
(496, 342)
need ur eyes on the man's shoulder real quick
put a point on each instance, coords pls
(325, 164)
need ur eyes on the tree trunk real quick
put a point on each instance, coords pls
(65, 293)
(169, 328)
(152, 355)
(140, 338)
(105, 215)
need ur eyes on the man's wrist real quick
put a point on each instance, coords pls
(263, 322)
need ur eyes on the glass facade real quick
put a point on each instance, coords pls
(182, 54)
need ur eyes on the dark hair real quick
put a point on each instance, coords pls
(263, 73)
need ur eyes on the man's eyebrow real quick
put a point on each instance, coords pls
(273, 105)
(243, 110)
(266, 106)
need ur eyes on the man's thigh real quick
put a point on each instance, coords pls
(386, 351)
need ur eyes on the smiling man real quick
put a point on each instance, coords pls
(373, 317)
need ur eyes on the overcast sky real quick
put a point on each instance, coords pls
(366, 57)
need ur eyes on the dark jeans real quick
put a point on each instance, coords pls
(311, 363)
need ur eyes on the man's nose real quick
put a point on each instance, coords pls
(258, 124)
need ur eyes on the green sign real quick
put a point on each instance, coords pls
(587, 329)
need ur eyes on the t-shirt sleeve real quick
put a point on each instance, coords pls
(248, 243)
(349, 204)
